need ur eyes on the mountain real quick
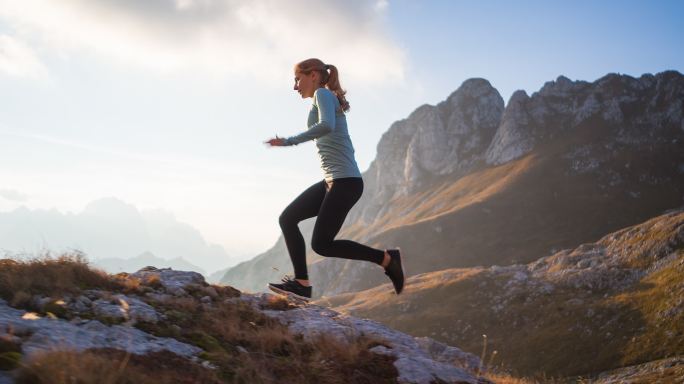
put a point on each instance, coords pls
(605, 305)
(109, 228)
(470, 182)
(115, 265)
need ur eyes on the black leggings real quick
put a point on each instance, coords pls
(330, 203)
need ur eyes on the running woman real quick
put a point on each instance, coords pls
(332, 198)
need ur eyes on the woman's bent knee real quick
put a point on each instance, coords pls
(321, 247)
(285, 220)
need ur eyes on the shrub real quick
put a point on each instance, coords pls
(48, 276)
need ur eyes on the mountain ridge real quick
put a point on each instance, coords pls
(109, 228)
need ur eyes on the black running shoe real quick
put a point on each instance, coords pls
(291, 287)
(395, 270)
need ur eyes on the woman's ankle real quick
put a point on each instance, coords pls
(303, 282)
(386, 260)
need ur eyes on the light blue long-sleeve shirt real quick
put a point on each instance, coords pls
(328, 128)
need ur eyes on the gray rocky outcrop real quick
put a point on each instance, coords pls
(124, 308)
(174, 282)
(418, 359)
(38, 334)
(661, 371)
(616, 261)
(102, 319)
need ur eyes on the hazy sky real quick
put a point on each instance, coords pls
(166, 103)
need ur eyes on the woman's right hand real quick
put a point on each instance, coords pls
(276, 142)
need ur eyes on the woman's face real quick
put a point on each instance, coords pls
(306, 84)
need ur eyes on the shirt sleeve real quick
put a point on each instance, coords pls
(325, 102)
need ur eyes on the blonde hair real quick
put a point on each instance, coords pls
(330, 79)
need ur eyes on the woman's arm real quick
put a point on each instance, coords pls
(325, 101)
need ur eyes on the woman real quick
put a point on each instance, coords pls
(332, 198)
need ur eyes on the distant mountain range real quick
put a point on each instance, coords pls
(111, 229)
(473, 182)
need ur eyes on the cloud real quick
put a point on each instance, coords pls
(13, 195)
(262, 38)
(18, 60)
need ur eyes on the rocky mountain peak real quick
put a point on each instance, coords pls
(438, 140)
(471, 88)
(510, 142)
(623, 109)
(561, 86)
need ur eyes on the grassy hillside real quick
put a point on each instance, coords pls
(601, 306)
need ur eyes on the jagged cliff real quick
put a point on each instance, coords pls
(446, 139)
(469, 182)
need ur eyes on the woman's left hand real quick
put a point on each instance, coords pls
(276, 142)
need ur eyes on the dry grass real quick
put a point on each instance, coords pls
(249, 347)
(277, 303)
(537, 331)
(48, 276)
(324, 360)
(429, 204)
(658, 300)
(107, 366)
(505, 378)
(500, 378)
(553, 333)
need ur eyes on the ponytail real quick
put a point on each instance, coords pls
(329, 77)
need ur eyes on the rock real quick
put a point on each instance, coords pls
(512, 138)
(124, 308)
(43, 334)
(6, 378)
(437, 140)
(665, 368)
(420, 370)
(211, 292)
(419, 360)
(610, 262)
(176, 283)
(160, 297)
(80, 304)
(177, 291)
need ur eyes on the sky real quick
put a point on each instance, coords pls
(165, 104)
